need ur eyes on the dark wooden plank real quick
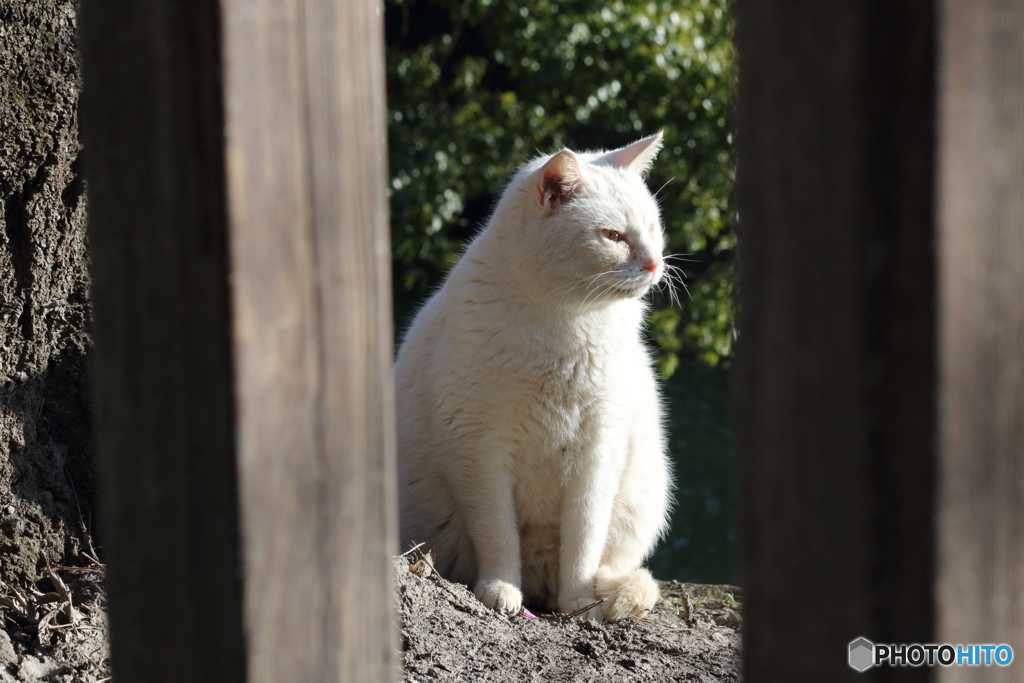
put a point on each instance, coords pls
(981, 209)
(163, 383)
(312, 302)
(836, 376)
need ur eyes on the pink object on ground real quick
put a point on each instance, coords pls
(527, 614)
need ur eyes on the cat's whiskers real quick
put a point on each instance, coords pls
(677, 275)
(680, 257)
(573, 286)
(674, 291)
(662, 285)
(605, 285)
(605, 295)
(606, 290)
(670, 285)
(673, 274)
(614, 287)
(588, 282)
(663, 186)
(666, 284)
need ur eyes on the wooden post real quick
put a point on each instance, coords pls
(981, 208)
(836, 376)
(236, 177)
(308, 206)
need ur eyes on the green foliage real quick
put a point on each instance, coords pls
(478, 87)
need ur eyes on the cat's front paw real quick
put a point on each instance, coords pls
(499, 595)
(626, 595)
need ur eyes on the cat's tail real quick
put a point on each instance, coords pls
(625, 595)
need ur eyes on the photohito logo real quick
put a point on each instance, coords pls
(864, 654)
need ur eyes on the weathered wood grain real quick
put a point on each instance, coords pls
(309, 243)
(836, 357)
(981, 209)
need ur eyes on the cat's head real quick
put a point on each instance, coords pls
(592, 223)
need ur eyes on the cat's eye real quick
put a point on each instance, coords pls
(614, 235)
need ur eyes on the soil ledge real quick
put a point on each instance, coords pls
(692, 635)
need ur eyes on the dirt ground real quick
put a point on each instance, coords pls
(692, 635)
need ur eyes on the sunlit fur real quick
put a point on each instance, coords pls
(530, 439)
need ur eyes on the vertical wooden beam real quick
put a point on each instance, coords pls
(164, 409)
(836, 376)
(981, 209)
(307, 186)
(249, 133)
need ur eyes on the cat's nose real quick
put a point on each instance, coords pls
(651, 264)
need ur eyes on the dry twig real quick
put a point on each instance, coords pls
(583, 610)
(411, 550)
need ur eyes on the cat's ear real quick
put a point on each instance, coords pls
(558, 180)
(637, 157)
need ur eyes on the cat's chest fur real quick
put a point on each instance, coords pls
(561, 400)
(560, 388)
(556, 384)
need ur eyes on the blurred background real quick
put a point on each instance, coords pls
(478, 87)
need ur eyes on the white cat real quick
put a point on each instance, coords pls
(530, 440)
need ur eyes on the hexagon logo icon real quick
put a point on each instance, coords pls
(862, 654)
